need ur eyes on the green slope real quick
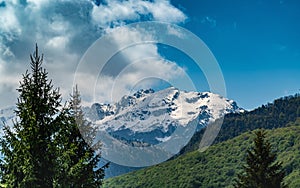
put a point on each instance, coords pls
(218, 165)
(273, 115)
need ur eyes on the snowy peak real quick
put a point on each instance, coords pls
(150, 116)
(153, 116)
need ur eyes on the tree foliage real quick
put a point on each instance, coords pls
(29, 155)
(261, 170)
(219, 165)
(77, 159)
(44, 148)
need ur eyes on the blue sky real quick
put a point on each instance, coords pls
(256, 43)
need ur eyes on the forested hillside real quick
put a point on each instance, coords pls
(270, 116)
(219, 165)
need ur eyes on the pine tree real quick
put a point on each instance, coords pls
(29, 155)
(45, 148)
(78, 159)
(261, 170)
(85, 127)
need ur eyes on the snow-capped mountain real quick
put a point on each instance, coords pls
(150, 117)
(164, 118)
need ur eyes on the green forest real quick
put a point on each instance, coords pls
(219, 165)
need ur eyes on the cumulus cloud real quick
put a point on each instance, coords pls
(64, 30)
(140, 61)
(118, 12)
(125, 70)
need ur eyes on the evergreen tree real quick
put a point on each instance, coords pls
(28, 152)
(261, 170)
(44, 148)
(78, 159)
(85, 127)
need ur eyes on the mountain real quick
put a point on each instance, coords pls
(283, 112)
(219, 165)
(167, 118)
(272, 115)
(152, 117)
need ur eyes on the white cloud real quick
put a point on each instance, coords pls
(9, 80)
(64, 30)
(139, 61)
(58, 42)
(58, 25)
(162, 11)
(5, 51)
(173, 31)
(8, 21)
(140, 70)
(37, 4)
(117, 12)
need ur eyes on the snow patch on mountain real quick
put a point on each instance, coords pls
(152, 117)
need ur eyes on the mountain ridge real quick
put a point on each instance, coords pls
(272, 115)
(161, 112)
